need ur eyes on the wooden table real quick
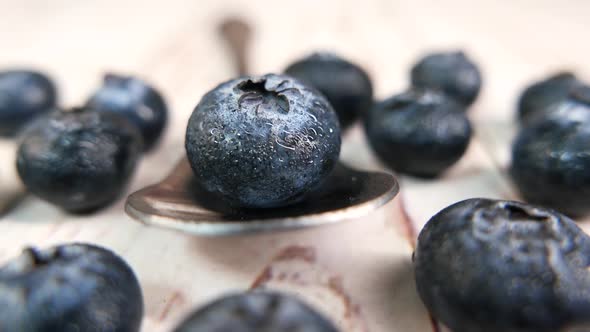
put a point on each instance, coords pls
(358, 272)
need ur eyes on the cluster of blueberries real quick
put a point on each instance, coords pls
(266, 142)
(79, 159)
(551, 155)
(486, 265)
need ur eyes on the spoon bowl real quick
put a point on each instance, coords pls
(180, 203)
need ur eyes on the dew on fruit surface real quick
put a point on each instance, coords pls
(313, 117)
(285, 146)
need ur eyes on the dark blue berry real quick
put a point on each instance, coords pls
(346, 86)
(419, 132)
(551, 160)
(79, 160)
(483, 265)
(135, 99)
(256, 312)
(541, 98)
(69, 288)
(23, 95)
(262, 141)
(450, 72)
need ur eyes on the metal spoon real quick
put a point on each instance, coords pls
(180, 203)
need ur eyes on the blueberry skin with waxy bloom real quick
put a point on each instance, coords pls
(541, 98)
(551, 159)
(24, 94)
(450, 72)
(347, 87)
(69, 288)
(485, 265)
(254, 312)
(79, 160)
(133, 98)
(262, 141)
(418, 132)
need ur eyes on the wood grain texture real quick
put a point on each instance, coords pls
(360, 272)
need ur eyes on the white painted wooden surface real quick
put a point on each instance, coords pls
(359, 272)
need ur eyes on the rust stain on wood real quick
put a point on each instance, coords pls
(262, 278)
(304, 253)
(333, 283)
(434, 323)
(410, 231)
(175, 299)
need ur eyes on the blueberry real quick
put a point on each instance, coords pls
(539, 99)
(79, 160)
(262, 141)
(24, 95)
(346, 86)
(67, 288)
(419, 132)
(484, 265)
(450, 72)
(551, 160)
(254, 312)
(135, 99)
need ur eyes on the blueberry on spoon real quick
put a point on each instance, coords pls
(189, 207)
(262, 141)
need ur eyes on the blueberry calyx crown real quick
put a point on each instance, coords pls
(521, 212)
(38, 258)
(324, 56)
(563, 75)
(581, 94)
(75, 109)
(495, 221)
(458, 54)
(31, 259)
(116, 80)
(422, 97)
(258, 94)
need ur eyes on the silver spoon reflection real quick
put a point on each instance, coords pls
(179, 203)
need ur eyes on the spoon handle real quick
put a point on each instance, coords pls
(237, 35)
